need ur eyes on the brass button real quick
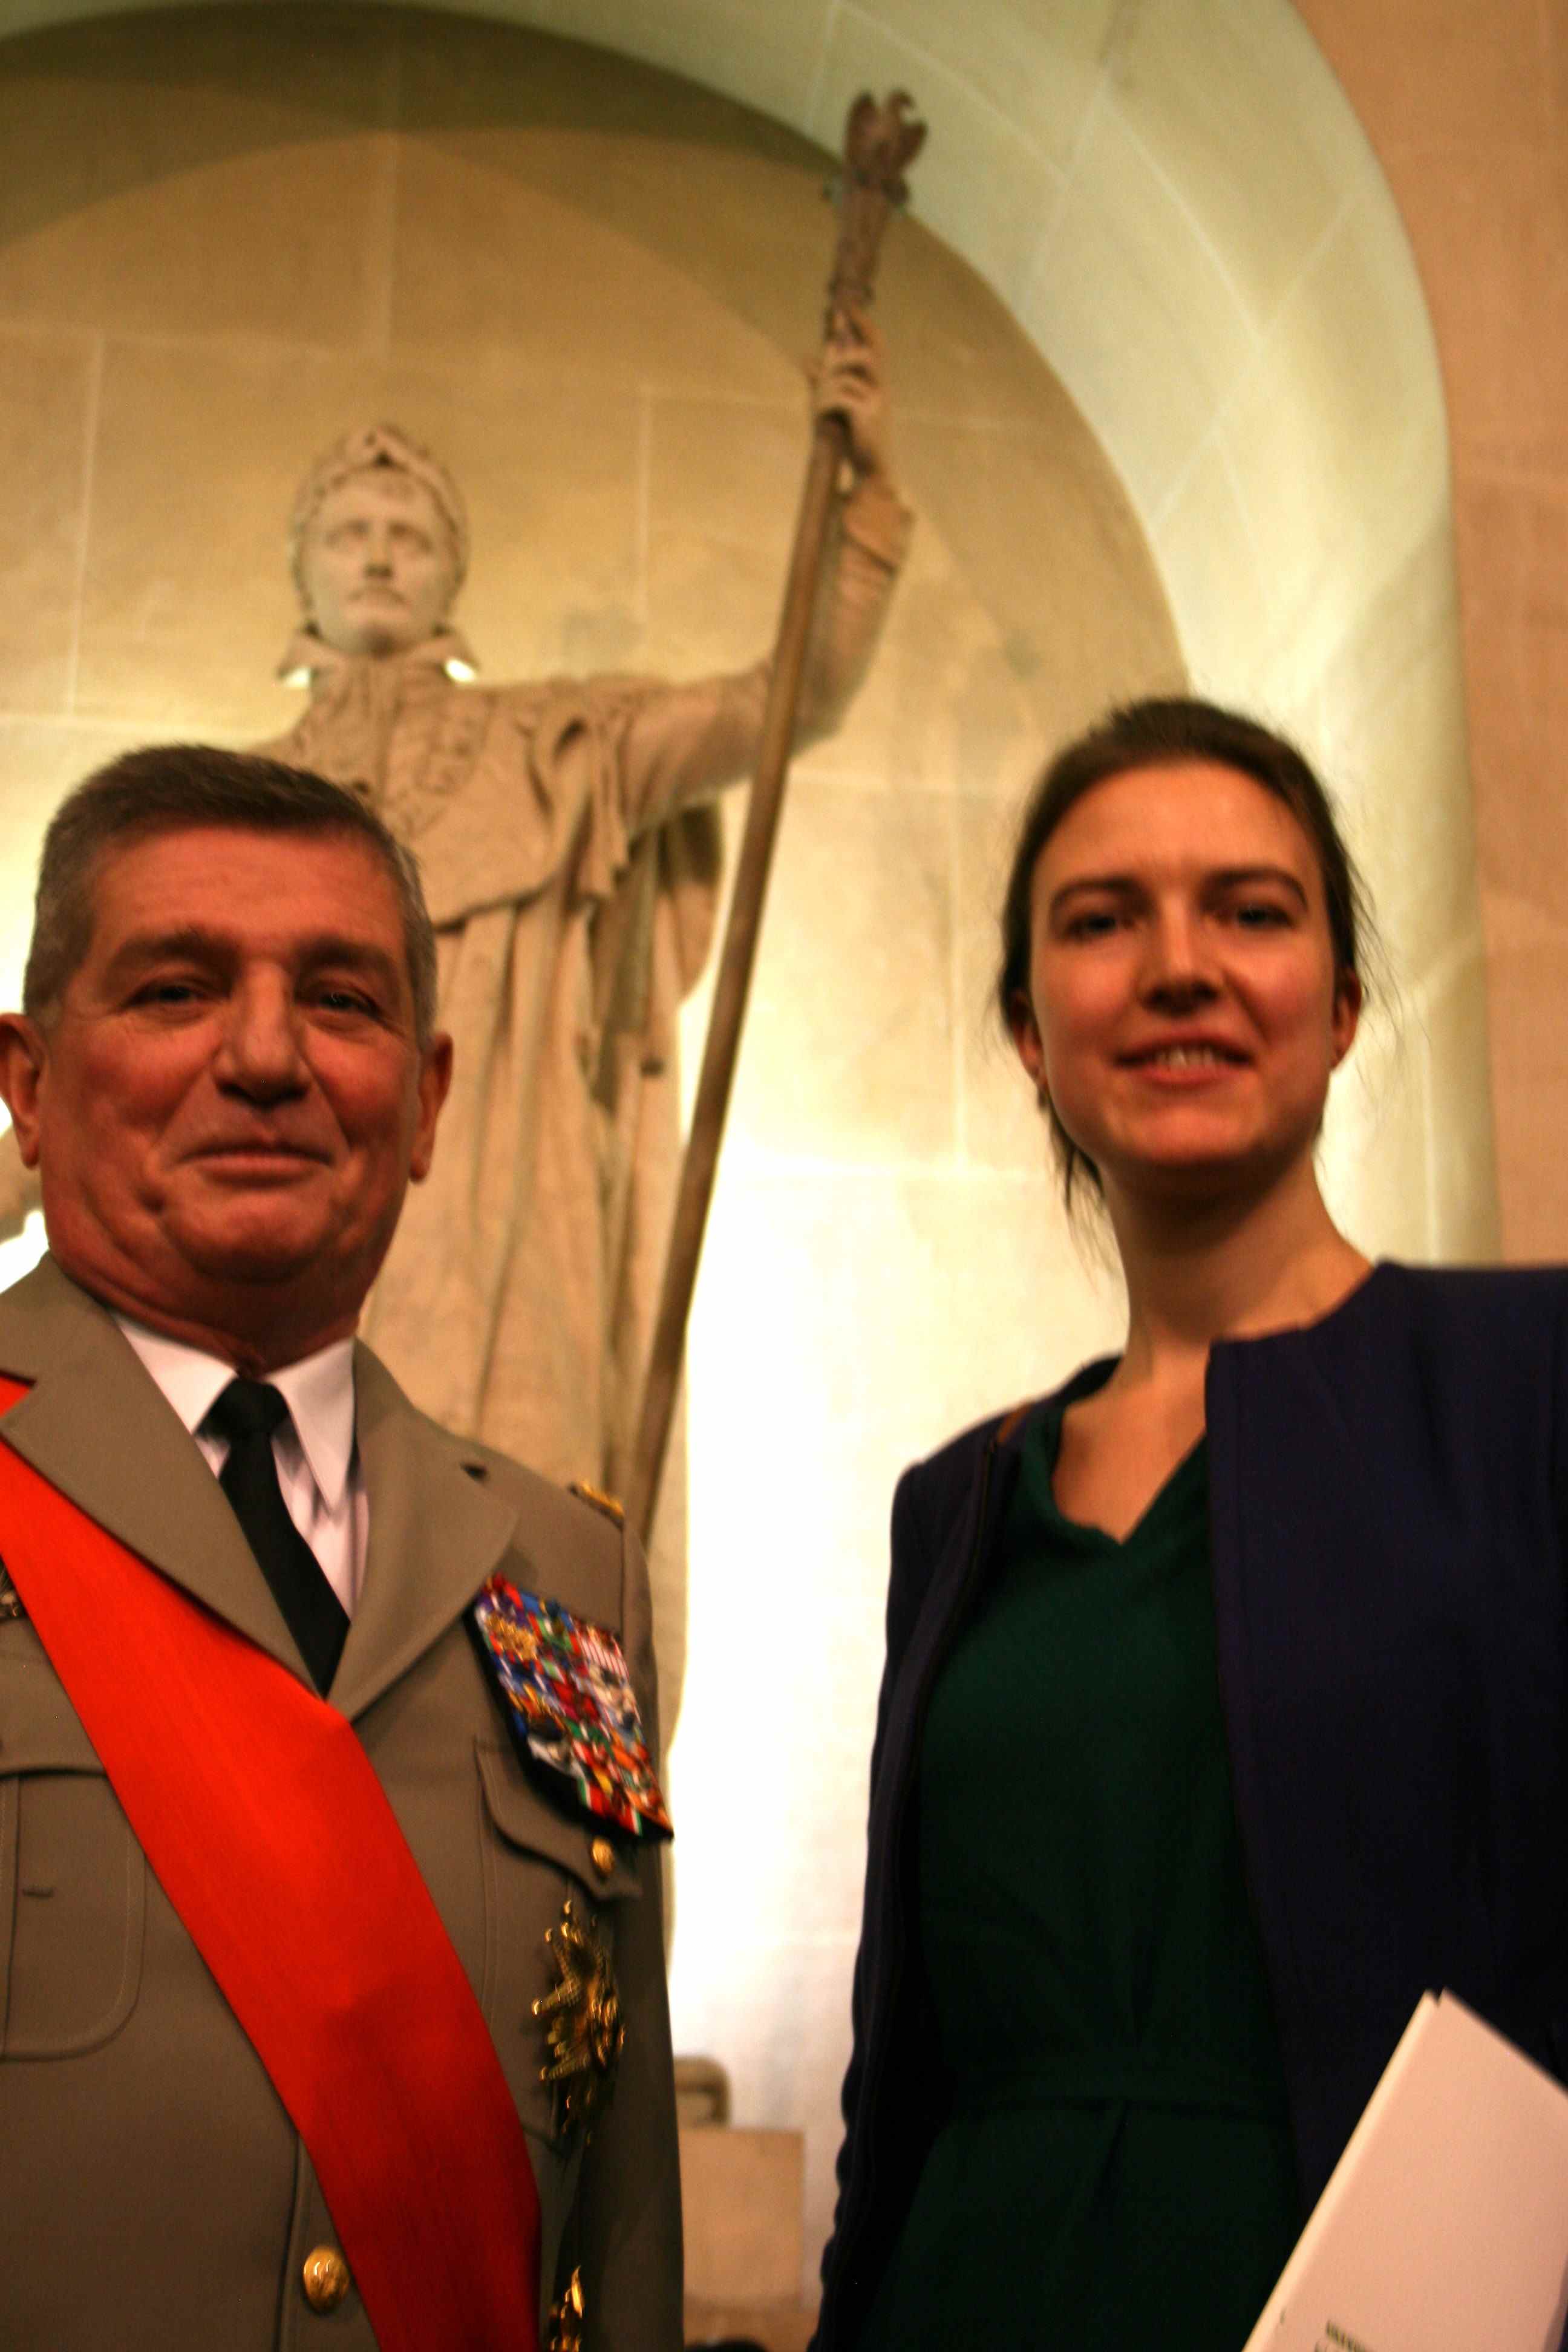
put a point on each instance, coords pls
(602, 1854)
(326, 2278)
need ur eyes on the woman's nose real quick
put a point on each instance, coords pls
(1177, 966)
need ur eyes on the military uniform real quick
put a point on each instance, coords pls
(165, 2199)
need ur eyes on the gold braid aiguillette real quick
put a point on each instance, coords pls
(584, 2029)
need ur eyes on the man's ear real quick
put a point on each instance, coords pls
(435, 1077)
(24, 1058)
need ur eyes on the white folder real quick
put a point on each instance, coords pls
(1444, 2227)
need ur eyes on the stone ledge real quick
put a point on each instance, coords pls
(742, 2192)
(776, 2327)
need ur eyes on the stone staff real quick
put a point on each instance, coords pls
(878, 141)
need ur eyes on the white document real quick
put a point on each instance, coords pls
(1444, 2227)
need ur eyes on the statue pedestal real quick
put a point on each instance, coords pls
(741, 2195)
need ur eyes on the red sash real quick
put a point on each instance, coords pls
(269, 1832)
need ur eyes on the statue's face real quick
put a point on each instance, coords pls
(379, 567)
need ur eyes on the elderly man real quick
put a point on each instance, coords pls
(569, 849)
(332, 1988)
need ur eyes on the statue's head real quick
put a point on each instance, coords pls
(378, 541)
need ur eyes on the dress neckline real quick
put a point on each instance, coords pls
(1042, 1450)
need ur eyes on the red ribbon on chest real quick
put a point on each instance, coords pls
(264, 1820)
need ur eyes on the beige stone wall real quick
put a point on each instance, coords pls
(1467, 112)
(223, 236)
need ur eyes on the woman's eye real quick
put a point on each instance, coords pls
(1261, 914)
(1094, 923)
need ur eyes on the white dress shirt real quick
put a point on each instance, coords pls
(317, 1466)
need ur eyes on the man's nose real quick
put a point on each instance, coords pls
(261, 1054)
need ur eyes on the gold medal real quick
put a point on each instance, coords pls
(565, 2322)
(584, 2029)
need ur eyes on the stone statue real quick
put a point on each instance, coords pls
(569, 849)
(570, 855)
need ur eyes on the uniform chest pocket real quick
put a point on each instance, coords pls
(536, 1857)
(73, 1882)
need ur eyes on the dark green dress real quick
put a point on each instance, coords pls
(1116, 2171)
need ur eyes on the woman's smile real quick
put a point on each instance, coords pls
(1184, 1009)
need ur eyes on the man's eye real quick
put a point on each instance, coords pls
(353, 1002)
(168, 991)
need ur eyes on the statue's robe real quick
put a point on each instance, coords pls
(571, 862)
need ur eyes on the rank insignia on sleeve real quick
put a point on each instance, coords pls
(568, 1700)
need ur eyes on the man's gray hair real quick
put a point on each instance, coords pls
(170, 788)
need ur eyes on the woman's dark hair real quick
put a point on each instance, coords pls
(1160, 733)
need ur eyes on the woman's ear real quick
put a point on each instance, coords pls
(1346, 1016)
(1026, 1040)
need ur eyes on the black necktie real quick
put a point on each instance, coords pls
(246, 1413)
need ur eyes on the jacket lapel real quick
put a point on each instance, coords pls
(436, 1533)
(97, 1428)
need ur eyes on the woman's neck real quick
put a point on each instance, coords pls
(1226, 1270)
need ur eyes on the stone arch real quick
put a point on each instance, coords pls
(1178, 205)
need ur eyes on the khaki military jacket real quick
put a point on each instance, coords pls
(155, 2192)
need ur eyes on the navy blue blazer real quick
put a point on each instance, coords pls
(1388, 1513)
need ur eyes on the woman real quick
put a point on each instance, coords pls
(1225, 1702)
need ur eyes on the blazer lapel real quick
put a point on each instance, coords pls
(436, 1533)
(98, 1428)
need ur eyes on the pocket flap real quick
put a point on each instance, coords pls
(525, 1818)
(40, 1731)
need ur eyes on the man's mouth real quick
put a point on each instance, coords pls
(263, 1150)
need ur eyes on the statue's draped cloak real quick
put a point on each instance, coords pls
(570, 863)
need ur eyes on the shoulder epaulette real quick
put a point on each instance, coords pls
(600, 1500)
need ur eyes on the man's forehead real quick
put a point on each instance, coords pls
(231, 876)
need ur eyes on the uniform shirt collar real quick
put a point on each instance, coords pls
(319, 1391)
